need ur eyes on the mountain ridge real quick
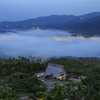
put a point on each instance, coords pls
(88, 23)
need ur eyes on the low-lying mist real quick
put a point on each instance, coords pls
(48, 43)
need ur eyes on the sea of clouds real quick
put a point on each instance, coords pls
(47, 43)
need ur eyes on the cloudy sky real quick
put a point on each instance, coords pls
(15, 10)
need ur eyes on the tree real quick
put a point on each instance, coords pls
(69, 90)
(57, 93)
(6, 93)
(96, 96)
(75, 89)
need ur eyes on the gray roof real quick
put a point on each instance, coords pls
(73, 79)
(53, 68)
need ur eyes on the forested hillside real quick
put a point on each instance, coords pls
(17, 75)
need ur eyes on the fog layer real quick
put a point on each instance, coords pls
(48, 43)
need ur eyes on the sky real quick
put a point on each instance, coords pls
(16, 10)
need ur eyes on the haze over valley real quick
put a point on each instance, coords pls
(47, 43)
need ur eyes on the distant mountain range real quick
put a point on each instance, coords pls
(88, 24)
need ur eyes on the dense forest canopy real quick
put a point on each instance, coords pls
(17, 74)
